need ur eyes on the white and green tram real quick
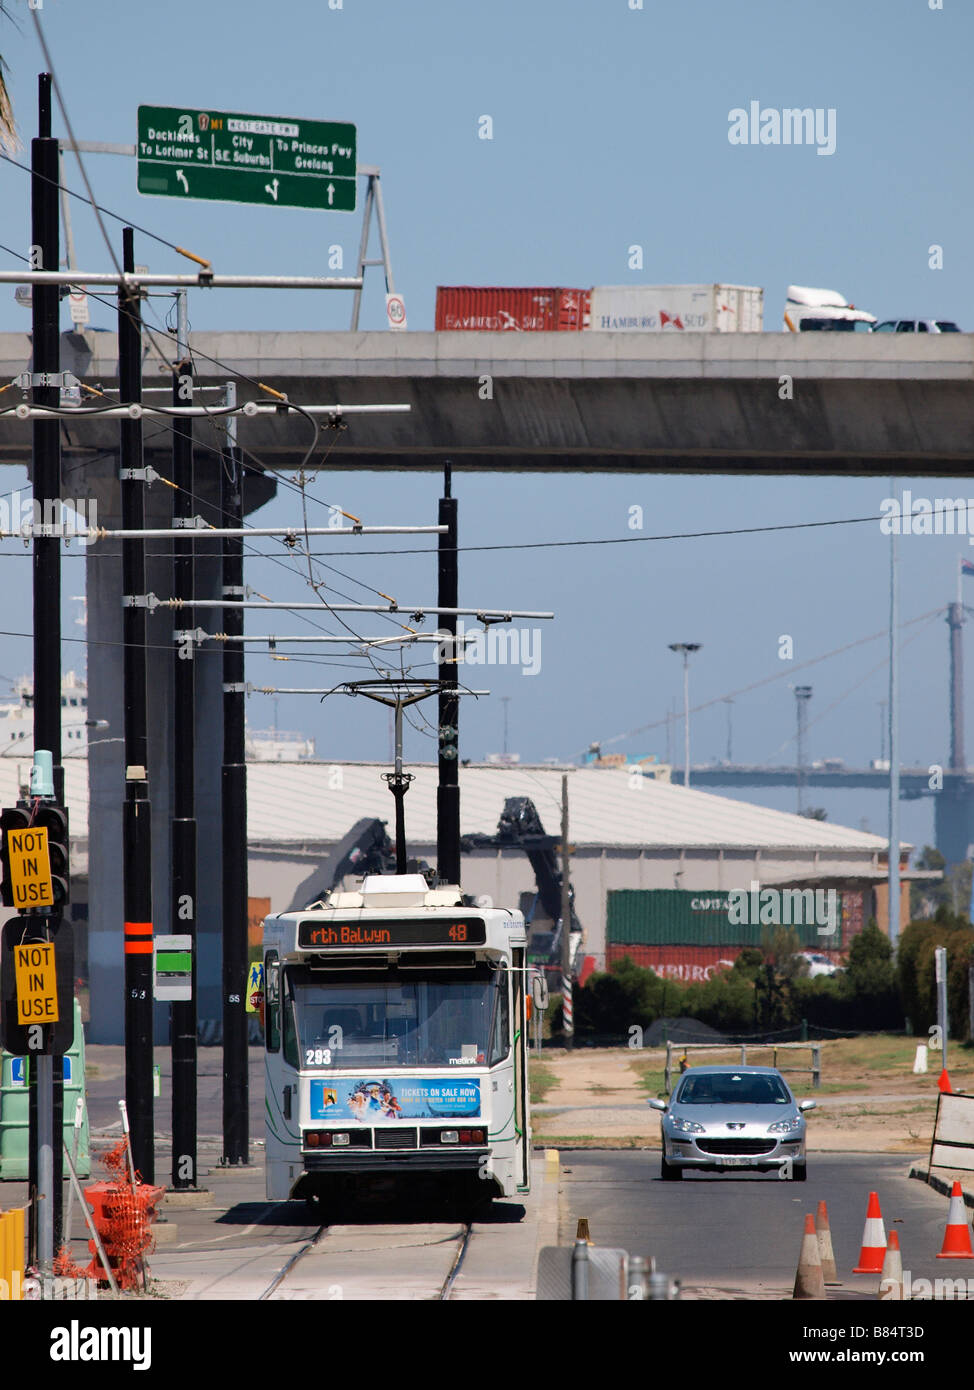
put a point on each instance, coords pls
(395, 1046)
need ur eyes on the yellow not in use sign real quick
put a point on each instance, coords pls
(30, 867)
(36, 983)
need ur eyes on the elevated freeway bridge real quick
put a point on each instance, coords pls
(588, 401)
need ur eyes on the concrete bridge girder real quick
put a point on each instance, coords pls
(861, 403)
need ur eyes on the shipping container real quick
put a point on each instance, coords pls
(677, 917)
(489, 309)
(677, 308)
(689, 964)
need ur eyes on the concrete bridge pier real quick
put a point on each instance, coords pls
(953, 818)
(106, 771)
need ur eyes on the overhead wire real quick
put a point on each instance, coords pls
(765, 680)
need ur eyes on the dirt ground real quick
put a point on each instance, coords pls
(869, 1099)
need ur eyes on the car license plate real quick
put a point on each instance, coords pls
(735, 1162)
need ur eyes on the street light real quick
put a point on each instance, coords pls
(686, 648)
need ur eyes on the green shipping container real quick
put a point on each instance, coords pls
(14, 1109)
(676, 917)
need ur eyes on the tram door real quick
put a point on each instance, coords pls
(522, 1123)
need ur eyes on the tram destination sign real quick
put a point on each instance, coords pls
(223, 156)
(468, 931)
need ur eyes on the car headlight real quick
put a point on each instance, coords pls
(786, 1126)
(688, 1126)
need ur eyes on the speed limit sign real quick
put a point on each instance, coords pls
(396, 310)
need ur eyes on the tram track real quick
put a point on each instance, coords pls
(447, 1288)
(403, 1237)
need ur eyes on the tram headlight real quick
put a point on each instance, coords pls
(449, 1136)
(340, 1140)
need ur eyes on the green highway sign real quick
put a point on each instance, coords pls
(225, 157)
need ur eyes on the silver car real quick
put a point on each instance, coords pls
(916, 326)
(733, 1117)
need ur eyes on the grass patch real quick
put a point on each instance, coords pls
(651, 1076)
(541, 1080)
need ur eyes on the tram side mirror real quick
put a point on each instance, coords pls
(539, 992)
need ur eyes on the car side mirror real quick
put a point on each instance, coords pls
(807, 1104)
(655, 1104)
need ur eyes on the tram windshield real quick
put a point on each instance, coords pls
(395, 1018)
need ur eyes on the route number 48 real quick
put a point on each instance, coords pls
(458, 932)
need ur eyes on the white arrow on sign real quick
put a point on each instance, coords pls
(181, 178)
(331, 194)
(272, 188)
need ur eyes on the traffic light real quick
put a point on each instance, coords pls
(54, 819)
(14, 818)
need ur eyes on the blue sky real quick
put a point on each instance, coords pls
(610, 129)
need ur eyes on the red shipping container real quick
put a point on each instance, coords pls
(518, 310)
(689, 964)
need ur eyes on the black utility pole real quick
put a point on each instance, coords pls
(183, 912)
(45, 300)
(448, 789)
(236, 1089)
(136, 829)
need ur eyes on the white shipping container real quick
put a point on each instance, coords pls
(677, 308)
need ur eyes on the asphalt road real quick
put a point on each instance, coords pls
(739, 1234)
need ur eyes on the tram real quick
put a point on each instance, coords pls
(396, 1046)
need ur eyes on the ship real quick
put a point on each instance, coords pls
(17, 719)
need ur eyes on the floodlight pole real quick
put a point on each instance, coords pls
(893, 864)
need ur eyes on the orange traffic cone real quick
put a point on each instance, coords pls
(957, 1237)
(873, 1250)
(809, 1283)
(891, 1278)
(824, 1235)
(943, 1083)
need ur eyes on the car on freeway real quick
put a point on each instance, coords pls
(916, 326)
(733, 1117)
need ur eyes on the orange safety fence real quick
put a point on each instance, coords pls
(123, 1215)
(12, 1226)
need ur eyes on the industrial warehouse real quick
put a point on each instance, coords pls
(654, 866)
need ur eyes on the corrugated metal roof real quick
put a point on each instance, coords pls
(311, 802)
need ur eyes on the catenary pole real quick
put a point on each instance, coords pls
(184, 837)
(236, 1129)
(567, 1002)
(448, 788)
(136, 828)
(46, 1098)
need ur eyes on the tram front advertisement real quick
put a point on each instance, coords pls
(395, 1046)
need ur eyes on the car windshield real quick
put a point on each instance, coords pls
(728, 1088)
(947, 327)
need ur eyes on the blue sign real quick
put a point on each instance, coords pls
(409, 1098)
(18, 1070)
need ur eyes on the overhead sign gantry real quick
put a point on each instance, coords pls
(223, 156)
